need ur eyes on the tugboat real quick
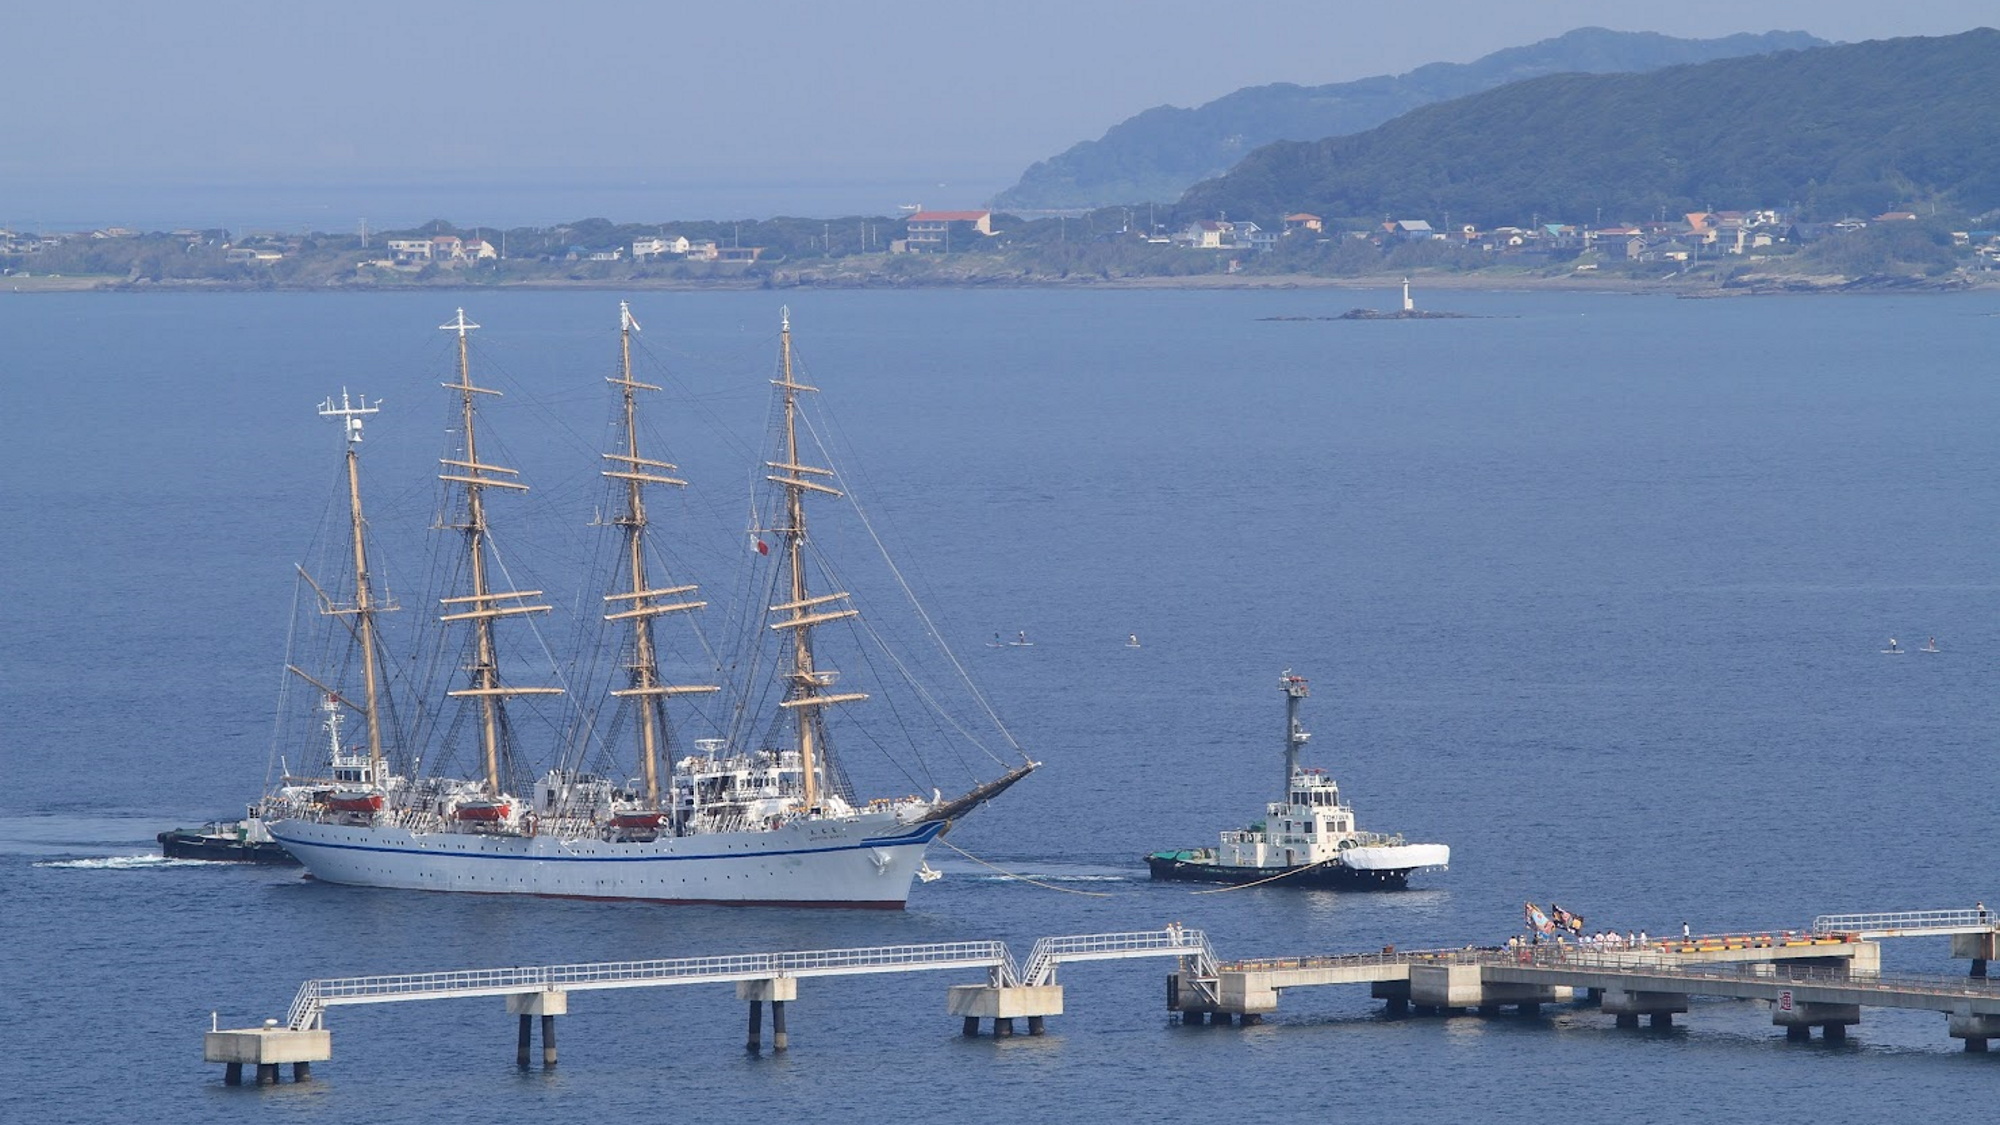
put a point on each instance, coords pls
(237, 841)
(1309, 839)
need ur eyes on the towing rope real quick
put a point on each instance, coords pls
(1024, 878)
(1272, 879)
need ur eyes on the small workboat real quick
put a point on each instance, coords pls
(225, 841)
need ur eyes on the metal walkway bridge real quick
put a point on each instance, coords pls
(1817, 978)
(315, 996)
(1907, 923)
(1189, 945)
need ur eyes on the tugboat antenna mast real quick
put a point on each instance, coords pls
(1295, 689)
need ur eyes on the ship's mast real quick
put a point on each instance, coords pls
(1295, 689)
(805, 696)
(350, 413)
(483, 605)
(637, 472)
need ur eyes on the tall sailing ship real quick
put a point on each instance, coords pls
(765, 816)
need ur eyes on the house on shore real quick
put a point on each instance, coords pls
(931, 230)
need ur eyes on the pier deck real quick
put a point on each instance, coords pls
(1821, 978)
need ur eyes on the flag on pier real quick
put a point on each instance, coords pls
(1538, 921)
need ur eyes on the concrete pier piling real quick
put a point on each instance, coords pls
(1394, 993)
(776, 990)
(1974, 1030)
(548, 1004)
(1978, 948)
(1003, 1004)
(1628, 1005)
(1799, 1017)
(267, 1048)
(1465, 986)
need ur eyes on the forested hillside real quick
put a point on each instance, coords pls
(1160, 153)
(1846, 130)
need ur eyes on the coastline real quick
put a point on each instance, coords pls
(1699, 287)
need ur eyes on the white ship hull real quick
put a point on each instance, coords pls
(863, 861)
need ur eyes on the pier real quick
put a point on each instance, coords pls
(1821, 978)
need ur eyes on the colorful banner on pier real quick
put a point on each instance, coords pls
(1538, 921)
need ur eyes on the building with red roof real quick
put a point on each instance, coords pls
(931, 230)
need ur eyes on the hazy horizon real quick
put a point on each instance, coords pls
(234, 113)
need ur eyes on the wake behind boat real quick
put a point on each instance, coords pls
(764, 816)
(1309, 839)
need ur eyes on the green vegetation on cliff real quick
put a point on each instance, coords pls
(1854, 129)
(1158, 154)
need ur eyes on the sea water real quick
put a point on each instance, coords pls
(1591, 587)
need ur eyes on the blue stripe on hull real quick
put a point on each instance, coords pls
(924, 834)
(841, 873)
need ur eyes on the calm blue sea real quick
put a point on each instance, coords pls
(1591, 587)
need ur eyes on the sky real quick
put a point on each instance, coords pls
(286, 114)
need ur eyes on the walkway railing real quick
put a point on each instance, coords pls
(1657, 957)
(1049, 952)
(1654, 966)
(314, 996)
(1907, 922)
(1346, 960)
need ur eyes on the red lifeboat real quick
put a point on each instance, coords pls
(483, 812)
(641, 821)
(353, 802)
